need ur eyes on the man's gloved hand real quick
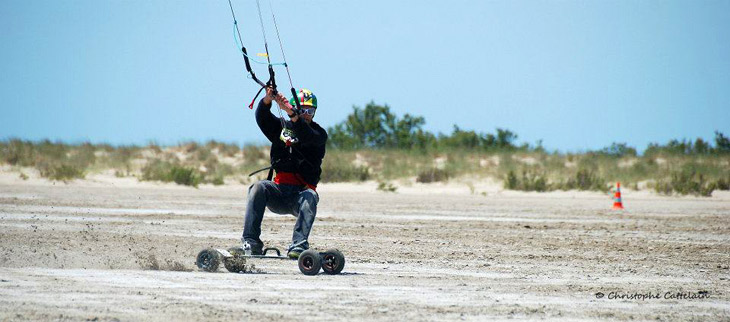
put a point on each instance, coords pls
(269, 96)
(284, 104)
(280, 100)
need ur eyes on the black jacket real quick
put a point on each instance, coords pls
(306, 155)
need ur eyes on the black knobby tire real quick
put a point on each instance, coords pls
(310, 262)
(333, 262)
(237, 263)
(208, 260)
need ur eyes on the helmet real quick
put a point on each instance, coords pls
(305, 97)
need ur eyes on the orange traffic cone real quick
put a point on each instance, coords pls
(617, 204)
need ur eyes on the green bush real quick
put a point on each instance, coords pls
(585, 179)
(723, 183)
(66, 172)
(531, 180)
(18, 152)
(217, 181)
(164, 171)
(618, 150)
(338, 172)
(60, 172)
(432, 175)
(156, 170)
(686, 181)
(386, 187)
(184, 176)
(536, 180)
(376, 127)
(51, 151)
(511, 182)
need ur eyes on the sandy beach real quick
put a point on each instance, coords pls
(115, 249)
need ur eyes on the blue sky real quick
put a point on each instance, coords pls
(577, 74)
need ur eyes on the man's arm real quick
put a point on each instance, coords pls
(269, 124)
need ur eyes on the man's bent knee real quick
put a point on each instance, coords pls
(310, 196)
(256, 188)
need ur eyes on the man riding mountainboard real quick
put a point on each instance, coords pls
(297, 150)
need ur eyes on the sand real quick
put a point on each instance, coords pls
(114, 249)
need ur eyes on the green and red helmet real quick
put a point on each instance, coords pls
(305, 97)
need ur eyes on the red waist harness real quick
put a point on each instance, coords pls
(292, 179)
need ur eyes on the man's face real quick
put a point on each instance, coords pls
(307, 113)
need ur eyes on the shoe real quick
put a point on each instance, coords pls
(295, 252)
(252, 249)
(297, 249)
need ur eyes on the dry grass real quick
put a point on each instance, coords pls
(214, 162)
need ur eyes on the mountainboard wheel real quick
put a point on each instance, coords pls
(208, 260)
(333, 262)
(310, 262)
(236, 263)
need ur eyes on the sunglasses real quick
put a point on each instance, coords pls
(309, 111)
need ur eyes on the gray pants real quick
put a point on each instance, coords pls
(280, 199)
